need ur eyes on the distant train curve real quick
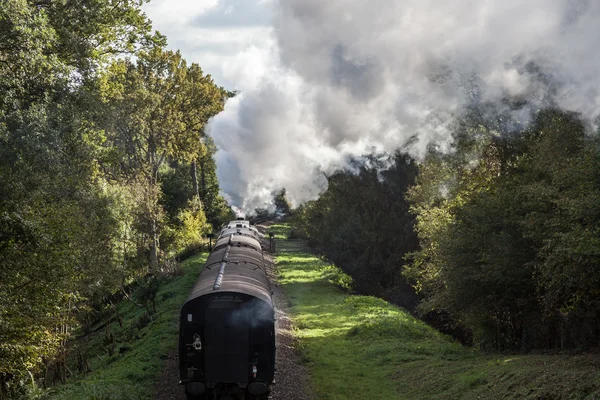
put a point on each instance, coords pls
(227, 325)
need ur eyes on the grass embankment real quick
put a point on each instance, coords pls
(131, 373)
(280, 231)
(361, 347)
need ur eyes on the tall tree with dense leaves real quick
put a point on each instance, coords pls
(282, 204)
(465, 230)
(218, 212)
(361, 222)
(560, 182)
(507, 229)
(52, 212)
(154, 110)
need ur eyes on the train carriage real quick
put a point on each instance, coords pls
(227, 335)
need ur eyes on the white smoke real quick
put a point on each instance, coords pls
(343, 78)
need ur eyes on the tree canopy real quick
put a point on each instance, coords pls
(88, 136)
(507, 244)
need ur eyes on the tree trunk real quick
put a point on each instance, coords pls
(3, 391)
(195, 179)
(202, 180)
(154, 248)
(154, 189)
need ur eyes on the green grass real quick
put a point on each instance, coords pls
(281, 230)
(132, 374)
(361, 347)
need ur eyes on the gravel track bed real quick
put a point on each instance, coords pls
(291, 378)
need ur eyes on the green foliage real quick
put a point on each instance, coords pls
(154, 111)
(190, 227)
(338, 278)
(146, 291)
(72, 226)
(193, 224)
(362, 224)
(217, 211)
(507, 227)
(130, 374)
(176, 188)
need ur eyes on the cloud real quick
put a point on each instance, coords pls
(178, 12)
(235, 13)
(199, 30)
(341, 78)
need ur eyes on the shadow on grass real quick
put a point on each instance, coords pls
(298, 262)
(361, 347)
(353, 344)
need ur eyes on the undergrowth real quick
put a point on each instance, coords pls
(141, 343)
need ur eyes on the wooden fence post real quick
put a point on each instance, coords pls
(271, 242)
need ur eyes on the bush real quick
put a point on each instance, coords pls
(338, 278)
(147, 290)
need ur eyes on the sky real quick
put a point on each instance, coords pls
(221, 36)
(323, 82)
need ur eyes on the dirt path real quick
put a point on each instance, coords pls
(291, 379)
(167, 387)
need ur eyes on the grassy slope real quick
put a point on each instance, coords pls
(360, 347)
(132, 374)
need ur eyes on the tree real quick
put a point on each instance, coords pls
(218, 212)
(154, 111)
(508, 238)
(471, 262)
(52, 209)
(79, 174)
(282, 205)
(361, 223)
(560, 183)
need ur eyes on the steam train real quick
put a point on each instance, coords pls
(227, 325)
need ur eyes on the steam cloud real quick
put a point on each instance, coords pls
(343, 78)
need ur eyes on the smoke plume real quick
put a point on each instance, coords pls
(344, 78)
